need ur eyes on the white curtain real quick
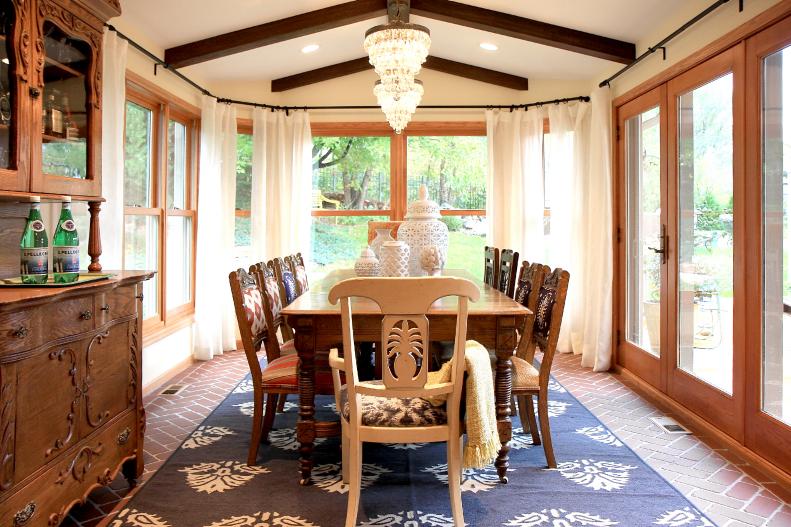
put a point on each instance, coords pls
(281, 202)
(515, 184)
(214, 314)
(113, 113)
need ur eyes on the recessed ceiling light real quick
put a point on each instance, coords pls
(488, 46)
(310, 48)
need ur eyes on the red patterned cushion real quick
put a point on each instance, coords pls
(288, 348)
(254, 310)
(302, 278)
(282, 373)
(272, 291)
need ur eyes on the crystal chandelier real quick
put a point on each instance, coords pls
(397, 50)
(399, 109)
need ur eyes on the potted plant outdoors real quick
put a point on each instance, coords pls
(652, 312)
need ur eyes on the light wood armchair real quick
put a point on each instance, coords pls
(369, 409)
(527, 380)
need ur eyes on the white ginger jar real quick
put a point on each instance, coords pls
(367, 264)
(395, 258)
(421, 229)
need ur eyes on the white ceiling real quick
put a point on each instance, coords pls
(205, 18)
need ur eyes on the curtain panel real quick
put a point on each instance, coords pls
(214, 329)
(113, 119)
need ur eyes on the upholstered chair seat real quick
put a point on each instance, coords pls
(525, 375)
(396, 411)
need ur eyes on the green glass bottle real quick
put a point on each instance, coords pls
(66, 247)
(35, 247)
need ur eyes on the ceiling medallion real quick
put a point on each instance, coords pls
(397, 50)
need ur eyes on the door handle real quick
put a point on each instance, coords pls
(663, 244)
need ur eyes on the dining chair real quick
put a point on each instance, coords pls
(297, 265)
(491, 263)
(395, 408)
(506, 271)
(529, 381)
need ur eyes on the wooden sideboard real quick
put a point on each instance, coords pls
(71, 409)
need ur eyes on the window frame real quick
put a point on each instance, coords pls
(165, 108)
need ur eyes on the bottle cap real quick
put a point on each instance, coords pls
(35, 199)
(66, 199)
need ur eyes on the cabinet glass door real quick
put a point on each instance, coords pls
(7, 85)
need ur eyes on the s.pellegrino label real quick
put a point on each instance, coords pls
(34, 247)
(66, 247)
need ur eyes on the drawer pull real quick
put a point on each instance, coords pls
(139, 297)
(86, 315)
(123, 437)
(106, 307)
(24, 516)
(20, 333)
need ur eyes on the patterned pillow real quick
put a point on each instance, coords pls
(546, 301)
(254, 310)
(523, 291)
(290, 285)
(272, 291)
(302, 278)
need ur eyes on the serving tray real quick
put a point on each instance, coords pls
(82, 279)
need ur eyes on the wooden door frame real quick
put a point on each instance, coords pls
(760, 425)
(635, 359)
(726, 412)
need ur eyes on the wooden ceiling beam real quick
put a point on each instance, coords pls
(433, 63)
(525, 29)
(273, 32)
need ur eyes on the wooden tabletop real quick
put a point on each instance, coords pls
(315, 302)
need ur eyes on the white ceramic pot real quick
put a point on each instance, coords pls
(395, 258)
(382, 235)
(421, 229)
(367, 264)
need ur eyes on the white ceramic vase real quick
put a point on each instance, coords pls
(395, 258)
(421, 229)
(367, 264)
(382, 235)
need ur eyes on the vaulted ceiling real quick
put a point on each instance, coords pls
(171, 24)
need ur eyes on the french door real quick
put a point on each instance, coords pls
(704, 240)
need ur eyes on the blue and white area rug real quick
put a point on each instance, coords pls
(599, 481)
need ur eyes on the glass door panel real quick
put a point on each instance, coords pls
(7, 84)
(705, 232)
(776, 158)
(644, 236)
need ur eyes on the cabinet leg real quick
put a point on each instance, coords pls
(132, 470)
(94, 237)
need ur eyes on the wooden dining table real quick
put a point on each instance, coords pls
(493, 321)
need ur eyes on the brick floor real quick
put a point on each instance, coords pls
(717, 481)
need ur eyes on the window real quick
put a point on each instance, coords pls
(364, 172)
(160, 202)
(244, 184)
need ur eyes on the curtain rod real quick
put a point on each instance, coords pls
(661, 44)
(159, 62)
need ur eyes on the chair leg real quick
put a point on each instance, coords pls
(281, 403)
(454, 479)
(546, 434)
(526, 402)
(355, 480)
(522, 413)
(255, 437)
(513, 408)
(345, 454)
(269, 416)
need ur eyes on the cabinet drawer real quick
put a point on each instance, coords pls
(68, 317)
(115, 304)
(18, 330)
(45, 501)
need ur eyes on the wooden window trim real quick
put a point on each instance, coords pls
(165, 108)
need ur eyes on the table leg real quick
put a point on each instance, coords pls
(506, 342)
(305, 343)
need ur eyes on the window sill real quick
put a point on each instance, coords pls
(154, 331)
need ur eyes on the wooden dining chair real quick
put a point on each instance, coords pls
(394, 409)
(527, 380)
(297, 265)
(265, 276)
(506, 271)
(491, 264)
(280, 374)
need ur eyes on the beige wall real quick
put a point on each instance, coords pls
(715, 25)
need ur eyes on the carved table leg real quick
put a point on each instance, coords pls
(506, 342)
(305, 343)
(94, 237)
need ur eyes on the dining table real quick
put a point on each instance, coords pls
(493, 321)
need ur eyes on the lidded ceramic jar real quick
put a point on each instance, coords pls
(421, 229)
(367, 264)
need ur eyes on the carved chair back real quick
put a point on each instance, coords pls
(297, 265)
(405, 337)
(273, 305)
(548, 318)
(491, 263)
(531, 276)
(506, 271)
(248, 303)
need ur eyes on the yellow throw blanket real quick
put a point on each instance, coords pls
(483, 442)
